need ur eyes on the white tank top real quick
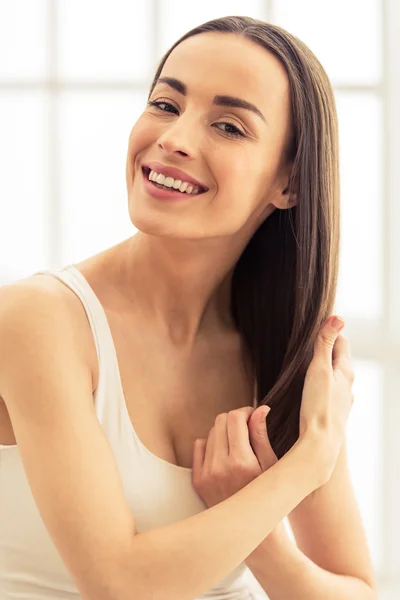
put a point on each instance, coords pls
(158, 492)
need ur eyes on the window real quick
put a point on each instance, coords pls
(73, 85)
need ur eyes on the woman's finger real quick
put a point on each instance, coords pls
(325, 341)
(259, 438)
(209, 451)
(238, 434)
(341, 356)
(199, 451)
(221, 446)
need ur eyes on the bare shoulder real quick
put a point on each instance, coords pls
(66, 455)
(33, 290)
(46, 299)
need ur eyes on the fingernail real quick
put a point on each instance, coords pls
(337, 323)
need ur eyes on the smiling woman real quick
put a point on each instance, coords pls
(135, 382)
(250, 146)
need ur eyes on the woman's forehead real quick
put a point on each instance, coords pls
(228, 64)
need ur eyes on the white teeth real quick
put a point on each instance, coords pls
(169, 181)
(177, 184)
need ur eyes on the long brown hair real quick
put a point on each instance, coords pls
(284, 283)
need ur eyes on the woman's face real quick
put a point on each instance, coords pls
(233, 151)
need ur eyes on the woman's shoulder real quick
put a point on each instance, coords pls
(43, 296)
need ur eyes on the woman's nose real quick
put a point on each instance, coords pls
(172, 148)
(180, 138)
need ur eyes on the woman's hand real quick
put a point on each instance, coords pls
(236, 451)
(327, 395)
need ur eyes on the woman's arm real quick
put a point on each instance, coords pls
(331, 559)
(46, 384)
(284, 571)
(238, 447)
(187, 558)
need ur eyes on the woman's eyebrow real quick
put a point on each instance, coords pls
(181, 87)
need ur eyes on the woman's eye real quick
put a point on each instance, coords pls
(157, 104)
(234, 132)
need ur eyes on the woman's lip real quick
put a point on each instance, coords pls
(175, 173)
(161, 194)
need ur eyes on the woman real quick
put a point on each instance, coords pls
(136, 461)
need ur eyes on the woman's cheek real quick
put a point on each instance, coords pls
(143, 133)
(137, 139)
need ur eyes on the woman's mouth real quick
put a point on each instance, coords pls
(175, 188)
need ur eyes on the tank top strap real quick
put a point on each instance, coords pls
(105, 349)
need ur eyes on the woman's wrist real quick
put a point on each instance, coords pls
(314, 455)
(315, 451)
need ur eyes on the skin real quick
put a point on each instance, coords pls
(176, 271)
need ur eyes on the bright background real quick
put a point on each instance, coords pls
(74, 76)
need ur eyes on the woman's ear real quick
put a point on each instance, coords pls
(290, 201)
(285, 201)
